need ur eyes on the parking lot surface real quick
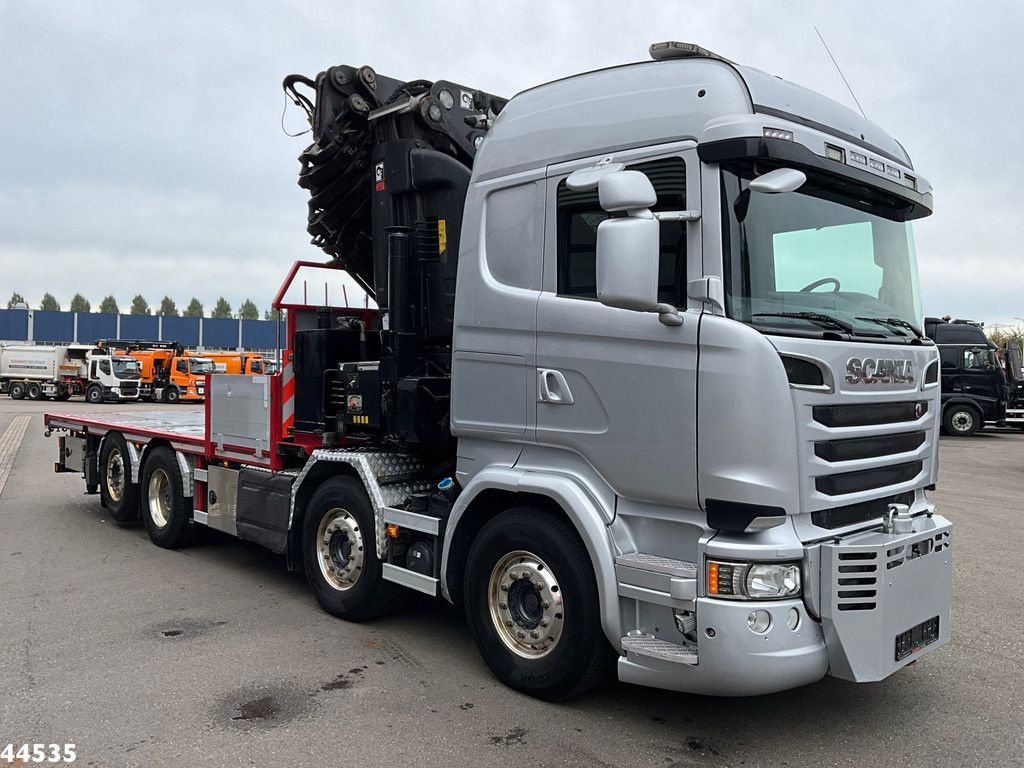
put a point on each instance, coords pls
(216, 655)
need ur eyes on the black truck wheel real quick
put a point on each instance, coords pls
(118, 494)
(165, 508)
(34, 391)
(94, 394)
(339, 552)
(531, 602)
(961, 420)
(171, 394)
(17, 390)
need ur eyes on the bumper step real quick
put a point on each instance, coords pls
(657, 564)
(639, 644)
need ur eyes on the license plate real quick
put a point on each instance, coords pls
(916, 638)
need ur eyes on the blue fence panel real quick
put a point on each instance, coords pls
(53, 326)
(138, 327)
(96, 326)
(14, 324)
(259, 334)
(220, 332)
(184, 330)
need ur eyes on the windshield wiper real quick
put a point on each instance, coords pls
(894, 321)
(814, 317)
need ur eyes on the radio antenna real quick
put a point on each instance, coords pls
(840, 71)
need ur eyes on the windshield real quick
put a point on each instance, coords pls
(821, 254)
(126, 368)
(200, 367)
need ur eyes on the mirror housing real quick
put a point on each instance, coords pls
(627, 263)
(628, 191)
(778, 181)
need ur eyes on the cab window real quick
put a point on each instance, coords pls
(181, 366)
(579, 214)
(950, 358)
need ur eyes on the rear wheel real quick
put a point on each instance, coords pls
(339, 551)
(17, 390)
(961, 420)
(34, 391)
(165, 510)
(531, 602)
(118, 493)
(94, 394)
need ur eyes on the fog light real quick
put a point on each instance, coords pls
(759, 621)
(793, 619)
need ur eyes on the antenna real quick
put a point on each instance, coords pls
(840, 71)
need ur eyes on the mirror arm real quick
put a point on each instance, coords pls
(677, 215)
(668, 315)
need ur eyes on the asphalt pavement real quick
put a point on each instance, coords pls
(217, 656)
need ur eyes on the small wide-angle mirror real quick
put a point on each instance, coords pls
(629, 191)
(779, 180)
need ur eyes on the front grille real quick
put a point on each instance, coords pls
(857, 581)
(853, 448)
(867, 479)
(851, 514)
(869, 414)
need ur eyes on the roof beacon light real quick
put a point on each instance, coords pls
(778, 133)
(675, 50)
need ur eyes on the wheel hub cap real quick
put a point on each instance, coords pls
(525, 603)
(115, 475)
(159, 498)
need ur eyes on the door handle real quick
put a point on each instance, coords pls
(552, 387)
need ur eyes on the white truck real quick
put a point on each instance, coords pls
(644, 389)
(60, 371)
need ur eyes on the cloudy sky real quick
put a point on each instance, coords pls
(141, 147)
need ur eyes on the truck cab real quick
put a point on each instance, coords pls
(975, 389)
(111, 377)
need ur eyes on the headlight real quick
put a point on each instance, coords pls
(753, 581)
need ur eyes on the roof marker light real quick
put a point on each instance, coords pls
(671, 49)
(778, 133)
(877, 165)
(857, 157)
(894, 172)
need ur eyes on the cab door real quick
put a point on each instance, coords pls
(617, 388)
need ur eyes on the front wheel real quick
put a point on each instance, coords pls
(531, 602)
(94, 394)
(171, 395)
(961, 420)
(339, 552)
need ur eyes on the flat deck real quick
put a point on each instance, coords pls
(187, 427)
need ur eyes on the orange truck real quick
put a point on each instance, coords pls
(168, 373)
(237, 362)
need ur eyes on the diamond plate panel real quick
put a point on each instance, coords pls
(648, 645)
(658, 564)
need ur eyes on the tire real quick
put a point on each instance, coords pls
(165, 511)
(555, 647)
(961, 420)
(172, 395)
(118, 494)
(339, 553)
(94, 394)
(17, 390)
(34, 391)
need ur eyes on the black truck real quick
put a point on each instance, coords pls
(974, 386)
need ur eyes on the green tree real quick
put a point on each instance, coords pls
(140, 306)
(49, 303)
(16, 298)
(80, 304)
(109, 306)
(167, 307)
(194, 308)
(248, 311)
(222, 309)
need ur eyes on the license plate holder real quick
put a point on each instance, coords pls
(916, 638)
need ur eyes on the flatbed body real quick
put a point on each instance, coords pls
(185, 430)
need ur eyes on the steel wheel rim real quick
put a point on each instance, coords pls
(340, 549)
(525, 603)
(962, 421)
(115, 474)
(159, 498)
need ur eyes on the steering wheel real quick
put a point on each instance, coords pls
(818, 283)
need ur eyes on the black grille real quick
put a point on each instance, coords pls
(851, 514)
(868, 447)
(867, 479)
(869, 414)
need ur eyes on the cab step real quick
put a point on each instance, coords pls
(639, 644)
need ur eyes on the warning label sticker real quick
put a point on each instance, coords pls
(442, 235)
(378, 177)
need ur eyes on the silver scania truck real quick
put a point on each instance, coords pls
(646, 389)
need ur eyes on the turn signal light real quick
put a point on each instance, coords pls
(391, 530)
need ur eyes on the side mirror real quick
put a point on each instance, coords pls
(778, 181)
(628, 247)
